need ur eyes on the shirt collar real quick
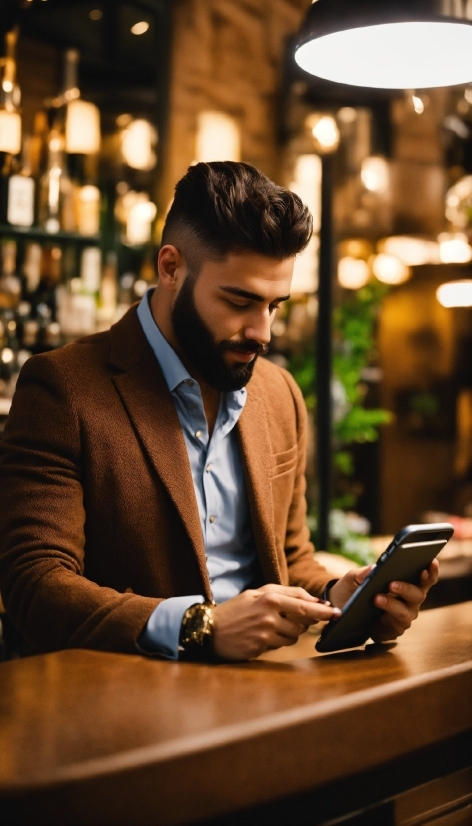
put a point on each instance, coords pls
(171, 366)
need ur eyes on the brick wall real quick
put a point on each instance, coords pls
(227, 56)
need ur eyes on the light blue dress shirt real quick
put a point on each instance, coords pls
(220, 491)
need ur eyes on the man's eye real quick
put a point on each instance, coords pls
(274, 307)
(240, 307)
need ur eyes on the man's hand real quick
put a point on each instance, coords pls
(400, 606)
(269, 617)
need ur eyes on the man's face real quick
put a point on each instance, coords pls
(222, 318)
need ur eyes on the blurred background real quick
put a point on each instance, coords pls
(104, 105)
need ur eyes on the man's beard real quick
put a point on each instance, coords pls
(198, 345)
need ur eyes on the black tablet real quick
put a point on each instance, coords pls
(411, 551)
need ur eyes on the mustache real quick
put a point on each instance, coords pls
(245, 347)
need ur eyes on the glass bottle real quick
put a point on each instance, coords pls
(56, 198)
(10, 284)
(21, 190)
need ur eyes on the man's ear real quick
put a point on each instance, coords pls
(171, 267)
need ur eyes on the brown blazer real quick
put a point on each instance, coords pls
(98, 516)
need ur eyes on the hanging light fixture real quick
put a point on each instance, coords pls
(388, 44)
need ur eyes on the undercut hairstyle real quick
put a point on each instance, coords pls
(225, 207)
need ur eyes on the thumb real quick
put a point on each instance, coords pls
(361, 573)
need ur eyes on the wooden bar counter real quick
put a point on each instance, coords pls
(111, 740)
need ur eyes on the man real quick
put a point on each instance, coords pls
(152, 477)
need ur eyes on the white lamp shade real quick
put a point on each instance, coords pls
(391, 45)
(10, 132)
(82, 128)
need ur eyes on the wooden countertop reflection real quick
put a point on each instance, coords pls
(146, 741)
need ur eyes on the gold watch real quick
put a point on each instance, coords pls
(196, 631)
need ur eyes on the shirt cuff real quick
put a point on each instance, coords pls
(162, 631)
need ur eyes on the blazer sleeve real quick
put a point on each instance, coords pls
(42, 526)
(304, 571)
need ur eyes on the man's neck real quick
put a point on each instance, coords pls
(210, 396)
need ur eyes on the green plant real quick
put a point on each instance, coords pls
(354, 350)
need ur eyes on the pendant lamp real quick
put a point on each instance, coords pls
(388, 44)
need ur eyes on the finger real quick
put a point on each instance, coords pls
(305, 621)
(298, 607)
(387, 628)
(431, 575)
(288, 628)
(359, 574)
(398, 611)
(289, 591)
(411, 594)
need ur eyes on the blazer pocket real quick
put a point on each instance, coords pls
(283, 462)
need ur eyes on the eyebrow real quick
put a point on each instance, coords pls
(251, 296)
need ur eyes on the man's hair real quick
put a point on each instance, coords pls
(223, 207)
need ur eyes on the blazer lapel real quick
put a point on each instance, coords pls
(149, 404)
(256, 450)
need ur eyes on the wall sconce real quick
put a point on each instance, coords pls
(375, 174)
(353, 273)
(218, 138)
(390, 270)
(325, 132)
(82, 127)
(455, 293)
(138, 143)
(454, 248)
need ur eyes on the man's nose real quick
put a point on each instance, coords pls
(259, 329)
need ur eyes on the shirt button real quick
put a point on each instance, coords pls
(198, 434)
(190, 382)
(208, 468)
(212, 518)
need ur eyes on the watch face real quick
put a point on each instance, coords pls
(197, 624)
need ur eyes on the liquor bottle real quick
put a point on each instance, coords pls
(10, 120)
(56, 197)
(21, 190)
(10, 284)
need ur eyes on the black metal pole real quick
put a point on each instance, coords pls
(324, 353)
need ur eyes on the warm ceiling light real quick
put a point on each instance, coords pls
(389, 269)
(455, 293)
(375, 174)
(353, 273)
(140, 28)
(96, 14)
(454, 248)
(418, 104)
(411, 251)
(395, 45)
